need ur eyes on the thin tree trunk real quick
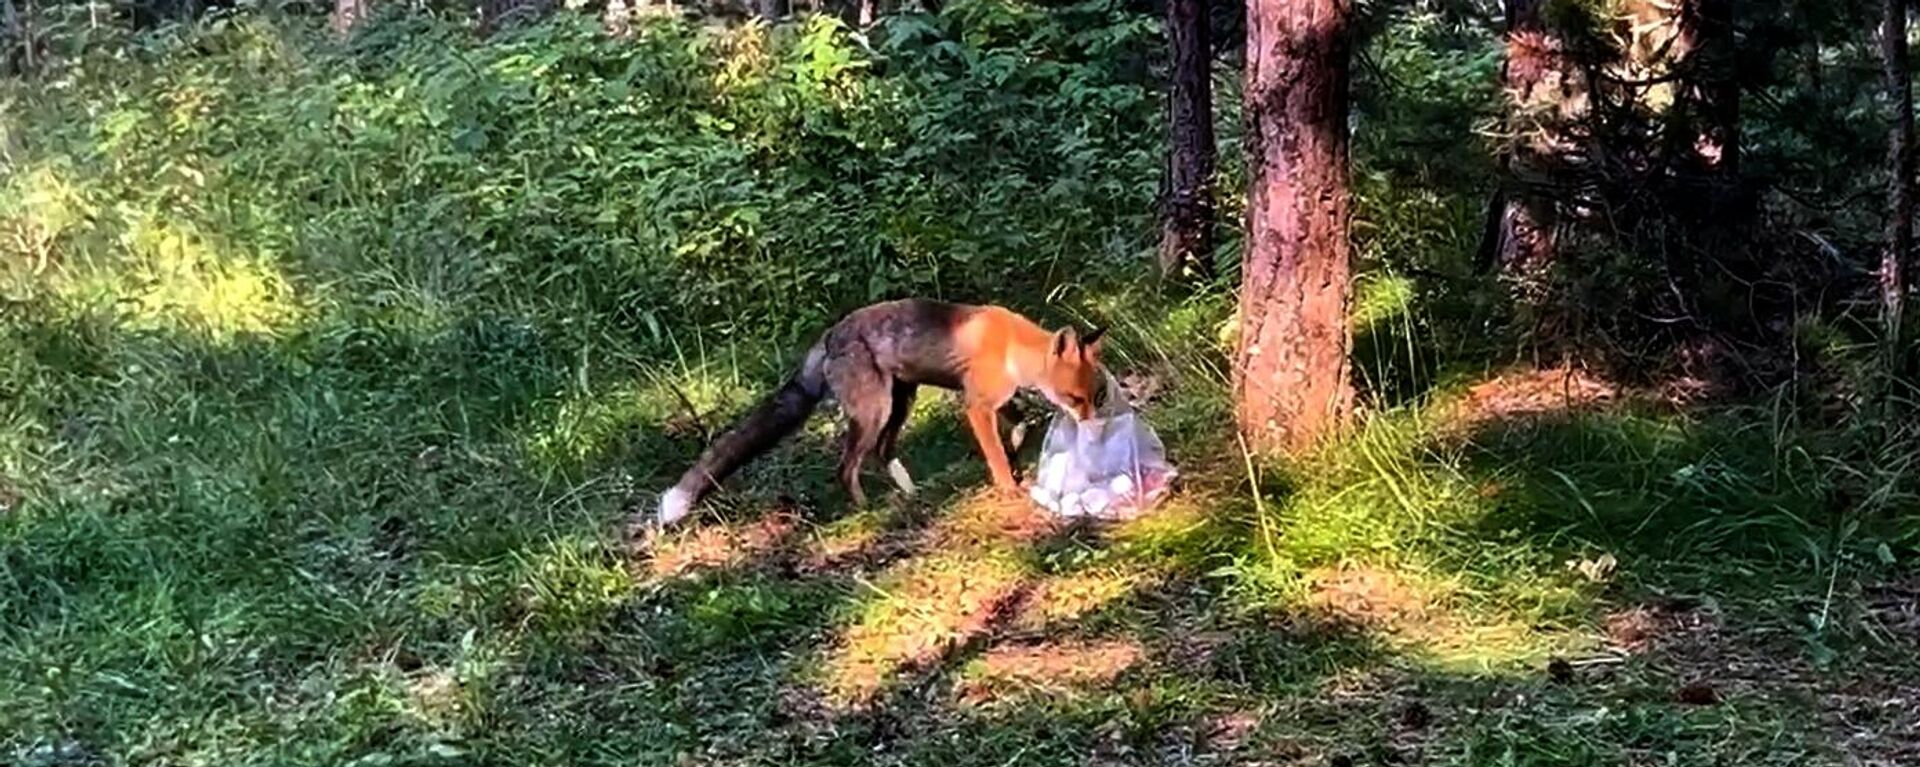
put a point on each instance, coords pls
(1714, 90)
(15, 38)
(1292, 378)
(347, 13)
(1522, 244)
(1186, 233)
(1900, 168)
(775, 10)
(617, 18)
(498, 14)
(1703, 135)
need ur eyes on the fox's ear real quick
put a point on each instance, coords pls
(1090, 343)
(1064, 341)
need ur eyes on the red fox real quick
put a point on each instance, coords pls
(873, 362)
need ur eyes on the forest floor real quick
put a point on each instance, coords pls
(217, 562)
(984, 632)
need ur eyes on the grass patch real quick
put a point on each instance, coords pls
(366, 541)
(278, 550)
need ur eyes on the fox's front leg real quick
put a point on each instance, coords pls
(983, 418)
(1013, 414)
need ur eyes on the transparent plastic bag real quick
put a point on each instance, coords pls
(1111, 467)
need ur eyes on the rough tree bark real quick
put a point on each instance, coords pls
(1291, 377)
(1900, 168)
(1186, 223)
(347, 13)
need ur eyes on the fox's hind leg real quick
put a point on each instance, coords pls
(903, 394)
(866, 396)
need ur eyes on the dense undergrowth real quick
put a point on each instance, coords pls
(330, 370)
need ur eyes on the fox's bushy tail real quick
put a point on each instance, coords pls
(776, 417)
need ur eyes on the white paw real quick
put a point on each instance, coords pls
(675, 504)
(901, 479)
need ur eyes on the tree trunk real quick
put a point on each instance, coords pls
(1709, 139)
(1186, 231)
(1899, 234)
(16, 40)
(347, 13)
(775, 10)
(1719, 95)
(1703, 139)
(1291, 377)
(498, 14)
(617, 18)
(1520, 239)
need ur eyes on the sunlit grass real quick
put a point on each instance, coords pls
(571, 587)
(849, 538)
(721, 546)
(1066, 668)
(39, 206)
(1067, 600)
(1382, 298)
(164, 275)
(593, 422)
(914, 614)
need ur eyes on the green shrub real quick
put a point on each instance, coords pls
(245, 176)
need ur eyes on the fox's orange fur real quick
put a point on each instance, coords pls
(874, 361)
(1004, 352)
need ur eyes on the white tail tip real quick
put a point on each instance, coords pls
(675, 504)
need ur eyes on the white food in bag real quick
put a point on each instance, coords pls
(1112, 466)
